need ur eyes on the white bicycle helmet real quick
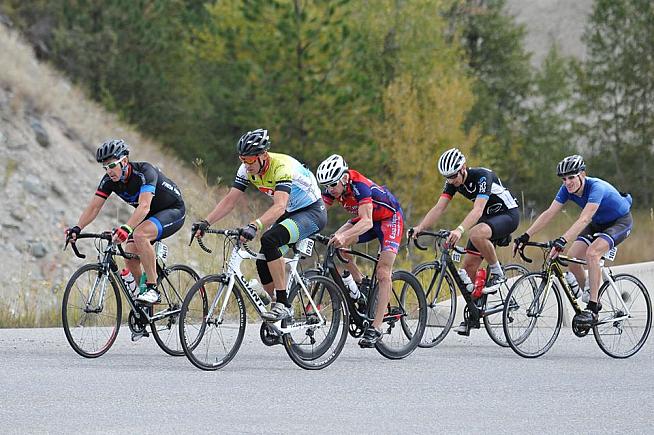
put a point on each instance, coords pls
(571, 165)
(451, 162)
(331, 170)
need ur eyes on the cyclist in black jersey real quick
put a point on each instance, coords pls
(494, 216)
(159, 209)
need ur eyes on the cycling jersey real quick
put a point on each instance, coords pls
(360, 190)
(612, 204)
(284, 174)
(143, 177)
(483, 183)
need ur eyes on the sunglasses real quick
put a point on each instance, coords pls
(569, 177)
(113, 164)
(332, 185)
(452, 177)
(248, 160)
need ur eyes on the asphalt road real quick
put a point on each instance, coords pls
(463, 385)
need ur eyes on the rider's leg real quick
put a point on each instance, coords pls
(350, 266)
(480, 236)
(578, 250)
(593, 255)
(384, 271)
(271, 243)
(134, 265)
(143, 234)
(471, 262)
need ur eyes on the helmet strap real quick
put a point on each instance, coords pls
(125, 171)
(581, 184)
(263, 165)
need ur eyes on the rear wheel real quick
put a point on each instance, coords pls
(212, 323)
(616, 334)
(532, 319)
(405, 318)
(91, 311)
(313, 344)
(173, 285)
(441, 302)
(495, 304)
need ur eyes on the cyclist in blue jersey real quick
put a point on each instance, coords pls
(159, 210)
(605, 222)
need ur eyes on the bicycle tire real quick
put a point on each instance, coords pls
(638, 326)
(493, 322)
(410, 306)
(441, 303)
(197, 328)
(73, 312)
(301, 346)
(521, 328)
(173, 290)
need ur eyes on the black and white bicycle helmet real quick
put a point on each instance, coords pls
(571, 165)
(253, 143)
(331, 170)
(113, 148)
(451, 162)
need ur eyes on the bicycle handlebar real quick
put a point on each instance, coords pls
(441, 235)
(231, 233)
(521, 249)
(106, 235)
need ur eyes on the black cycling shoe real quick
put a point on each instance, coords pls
(586, 317)
(462, 329)
(370, 338)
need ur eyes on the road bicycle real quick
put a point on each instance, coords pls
(440, 280)
(213, 317)
(404, 321)
(533, 323)
(92, 309)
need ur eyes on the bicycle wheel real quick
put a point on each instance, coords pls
(532, 319)
(441, 302)
(212, 323)
(495, 304)
(173, 285)
(404, 322)
(316, 345)
(91, 311)
(619, 336)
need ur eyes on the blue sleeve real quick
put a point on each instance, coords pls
(361, 191)
(151, 176)
(562, 196)
(596, 193)
(484, 184)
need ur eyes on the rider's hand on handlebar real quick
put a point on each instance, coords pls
(520, 242)
(558, 245)
(454, 237)
(413, 232)
(249, 232)
(198, 228)
(340, 240)
(72, 233)
(121, 234)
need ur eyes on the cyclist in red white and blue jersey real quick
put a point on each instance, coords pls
(159, 209)
(379, 216)
(605, 222)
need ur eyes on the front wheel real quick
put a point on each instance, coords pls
(172, 286)
(441, 302)
(314, 344)
(405, 318)
(212, 323)
(495, 304)
(532, 319)
(91, 311)
(618, 334)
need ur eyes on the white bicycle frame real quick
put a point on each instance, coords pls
(234, 276)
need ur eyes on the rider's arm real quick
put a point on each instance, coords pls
(545, 217)
(364, 222)
(435, 213)
(225, 205)
(477, 210)
(584, 219)
(280, 201)
(91, 211)
(142, 210)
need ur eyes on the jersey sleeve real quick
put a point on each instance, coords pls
(105, 188)
(596, 193)
(150, 178)
(362, 192)
(241, 181)
(283, 177)
(448, 191)
(562, 195)
(484, 184)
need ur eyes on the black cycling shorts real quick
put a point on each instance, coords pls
(167, 221)
(501, 225)
(614, 232)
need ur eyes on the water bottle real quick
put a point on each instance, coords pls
(466, 280)
(480, 283)
(572, 282)
(255, 285)
(351, 285)
(129, 280)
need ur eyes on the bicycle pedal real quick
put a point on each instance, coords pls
(137, 336)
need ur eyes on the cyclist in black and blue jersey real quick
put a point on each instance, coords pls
(605, 222)
(159, 209)
(494, 216)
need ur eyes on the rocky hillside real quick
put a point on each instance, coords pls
(48, 134)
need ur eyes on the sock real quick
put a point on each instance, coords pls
(281, 297)
(592, 306)
(496, 269)
(151, 286)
